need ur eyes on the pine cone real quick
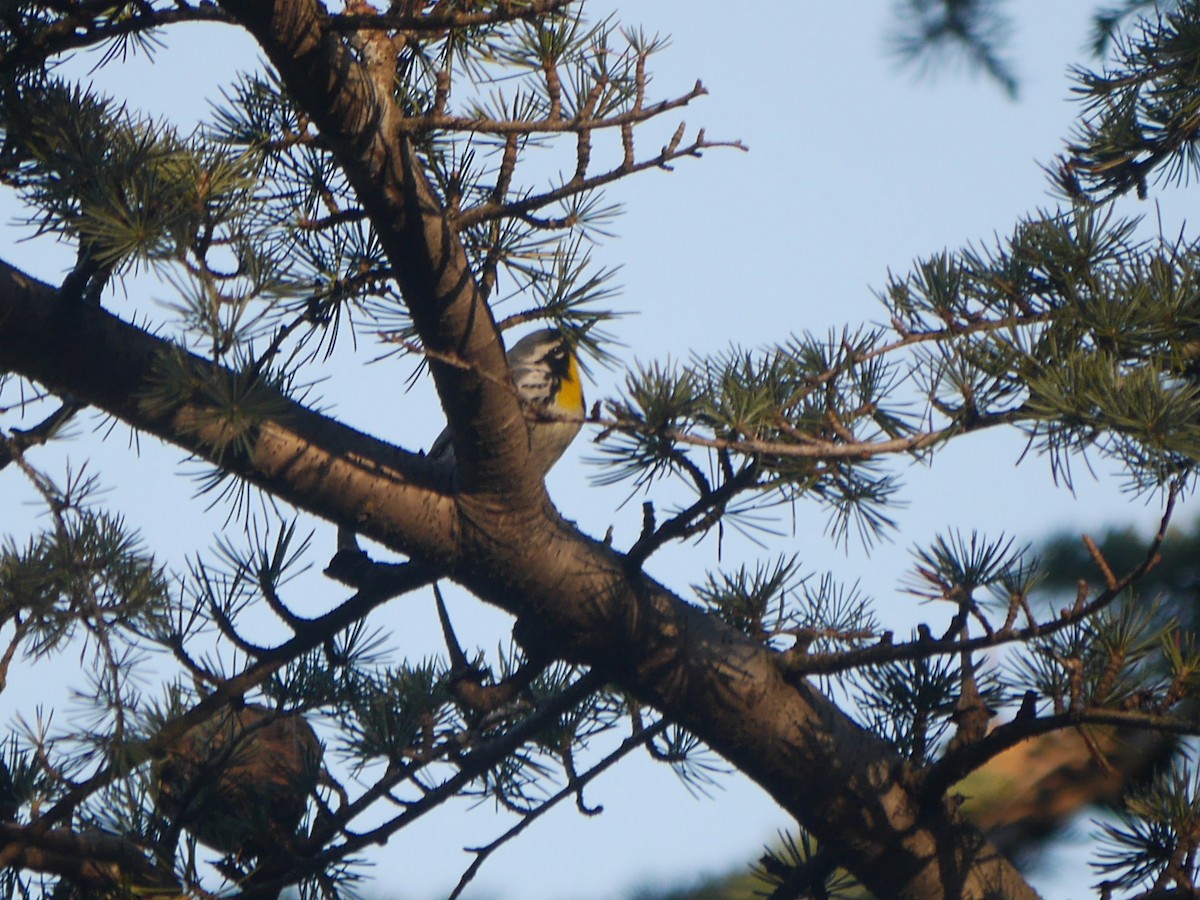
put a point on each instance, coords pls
(240, 781)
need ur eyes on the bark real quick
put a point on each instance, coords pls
(838, 780)
(91, 859)
(574, 598)
(365, 129)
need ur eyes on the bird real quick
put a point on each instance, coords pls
(545, 372)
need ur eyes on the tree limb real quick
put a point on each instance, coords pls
(365, 130)
(588, 607)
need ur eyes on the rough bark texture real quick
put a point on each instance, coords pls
(574, 597)
(365, 129)
(838, 780)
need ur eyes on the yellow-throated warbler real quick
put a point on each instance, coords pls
(545, 372)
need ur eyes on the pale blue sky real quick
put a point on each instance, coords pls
(854, 168)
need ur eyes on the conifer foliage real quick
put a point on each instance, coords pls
(384, 179)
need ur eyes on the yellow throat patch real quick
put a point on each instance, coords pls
(570, 393)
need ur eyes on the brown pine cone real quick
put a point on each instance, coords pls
(240, 781)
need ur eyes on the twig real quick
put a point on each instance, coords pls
(466, 679)
(81, 29)
(471, 766)
(489, 210)
(885, 651)
(700, 515)
(1098, 558)
(24, 438)
(627, 746)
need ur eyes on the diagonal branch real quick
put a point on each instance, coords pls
(366, 131)
(495, 208)
(574, 597)
(83, 27)
(886, 650)
(304, 458)
(572, 788)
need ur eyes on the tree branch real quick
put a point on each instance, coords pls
(366, 131)
(440, 20)
(955, 766)
(888, 651)
(587, 606)
(304, 458)
(471, 766)
(94, 859)
(80, 28)
(24, 438)
(626, 747)
(845, 784)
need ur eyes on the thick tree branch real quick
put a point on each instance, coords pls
(93, 859)
(365, 130)
(310, 460)
(575, 599)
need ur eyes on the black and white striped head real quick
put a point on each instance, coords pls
(544, 368)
